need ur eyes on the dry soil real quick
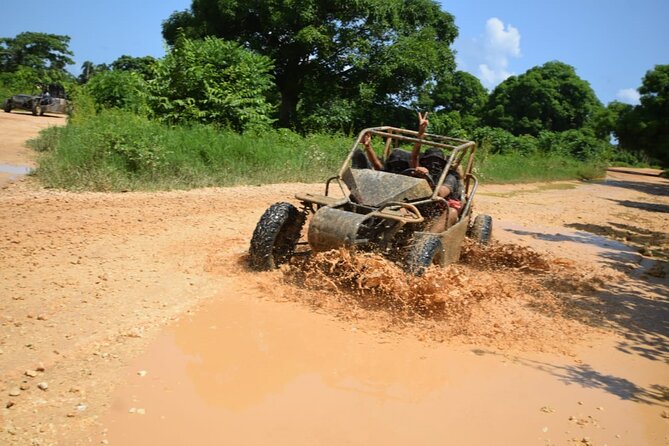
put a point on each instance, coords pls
(132, 319)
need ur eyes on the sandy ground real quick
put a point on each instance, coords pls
(15, 129)
(131, 319)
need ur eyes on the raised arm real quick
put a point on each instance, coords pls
(422, 125)
(367, 143)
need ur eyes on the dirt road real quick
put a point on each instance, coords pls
(15, 128)
(131, 319)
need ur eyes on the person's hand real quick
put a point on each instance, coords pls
(422, 170)
(366, 139)
(422, 122)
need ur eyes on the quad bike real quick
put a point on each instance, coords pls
(375, 210)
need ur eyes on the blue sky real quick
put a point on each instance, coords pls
(611, 43)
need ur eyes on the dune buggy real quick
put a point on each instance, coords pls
(52, 99)
(376, 210)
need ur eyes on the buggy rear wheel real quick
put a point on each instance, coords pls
(481, 230)
(7, 106)
(423, 253)
(275, 236)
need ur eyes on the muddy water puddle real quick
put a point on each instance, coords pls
(245, 370)
(14, 170)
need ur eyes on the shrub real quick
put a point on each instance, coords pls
(212, 81)
(125, 90)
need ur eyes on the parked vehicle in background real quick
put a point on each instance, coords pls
(52, 99)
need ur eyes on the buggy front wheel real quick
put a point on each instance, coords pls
(275, 236)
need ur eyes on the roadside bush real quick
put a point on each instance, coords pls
(125, 90)
(518, 168)
(498, 141)
(22, 81)
(82, 105)
(117, 150)
(580, 144)
(213, 81)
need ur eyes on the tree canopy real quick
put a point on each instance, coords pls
(89, 69)
(346, 55)
(39, 51)
(141, 65)
(461, 92)
(550, 97)
(646, 126)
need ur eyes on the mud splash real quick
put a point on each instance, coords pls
(505, 296)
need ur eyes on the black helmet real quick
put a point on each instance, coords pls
(398, 161)
(433, 153)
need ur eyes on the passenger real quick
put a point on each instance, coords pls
(371, 156)
(398, 160)
(359, 160)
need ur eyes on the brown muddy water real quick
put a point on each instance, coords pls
(257, 366)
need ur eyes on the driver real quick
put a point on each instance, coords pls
(432, 163)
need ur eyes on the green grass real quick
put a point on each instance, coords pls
(116, 151)
(516, 168)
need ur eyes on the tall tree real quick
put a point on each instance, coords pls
(461, 92)
(550, 97)
(40, 51)
(89, 69)
(380, 51)
(646, 126)
(145, 66)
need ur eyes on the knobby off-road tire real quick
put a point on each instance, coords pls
(7, 107)
(275, 237)
(481, 230)
(37, 109)
(422, 254)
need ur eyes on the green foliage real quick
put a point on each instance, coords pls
(550, 97)
(366, 58)
(35, 50)
(117, 150)
(518, 168)
(212, 81)
(89, 69)
(461, 92)
(580, 144)
(24, 80)
(82, 104)
(498, 141)
(646, 126)
(46, 54)
(145, 66)
(118, 89)
(447, 123)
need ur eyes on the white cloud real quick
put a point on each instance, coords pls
(629, 96)
(490, 77)
(491, 52)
